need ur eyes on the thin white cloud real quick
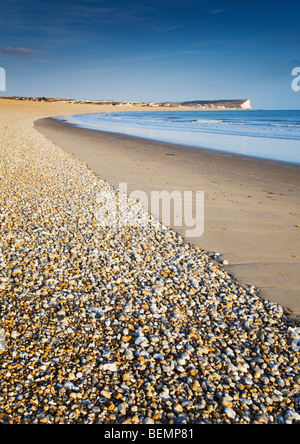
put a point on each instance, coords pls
(218, 11)
(168, 28)
(109, 64)
(17, 51)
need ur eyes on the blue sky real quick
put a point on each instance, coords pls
(152, 49)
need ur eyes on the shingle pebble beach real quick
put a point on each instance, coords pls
(128, 323)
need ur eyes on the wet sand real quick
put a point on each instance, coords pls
(251, 205)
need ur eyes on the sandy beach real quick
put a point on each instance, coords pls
(138, 325)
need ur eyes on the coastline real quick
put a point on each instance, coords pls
(251, 204)
(124, 324)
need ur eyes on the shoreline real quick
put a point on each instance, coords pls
(182, 145)
(250, 203)
(257, 145)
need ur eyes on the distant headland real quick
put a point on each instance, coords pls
(214, 104)
(198, 104)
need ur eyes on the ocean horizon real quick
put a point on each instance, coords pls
(267, 134)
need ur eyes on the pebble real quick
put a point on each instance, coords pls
(108, 323)
(106, 394)
(178, 408)
(111, 367)
(230, 413)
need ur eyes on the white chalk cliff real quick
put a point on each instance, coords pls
(246, 105)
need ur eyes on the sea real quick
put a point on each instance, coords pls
(267, 134)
